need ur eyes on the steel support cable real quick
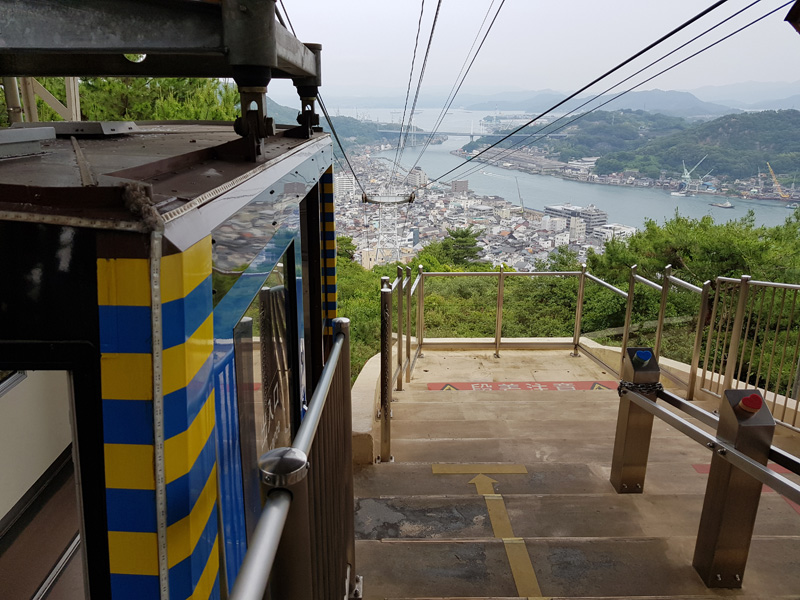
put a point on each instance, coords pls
(408, 93)
(527, 140)
(460, 78)
(338, 141)
(421, 76)
(652, 77)
(608, 73)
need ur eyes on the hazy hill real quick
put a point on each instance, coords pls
(747, 94)
(671, 103)
(737, 146)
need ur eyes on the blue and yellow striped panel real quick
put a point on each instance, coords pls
(189, 421)
(328, 228)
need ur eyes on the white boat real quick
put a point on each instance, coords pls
(793, 205)
(726, 204)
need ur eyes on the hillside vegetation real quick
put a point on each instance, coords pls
(737, 145)
(698, 249)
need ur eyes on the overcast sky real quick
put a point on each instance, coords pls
(536, 44)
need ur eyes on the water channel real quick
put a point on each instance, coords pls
(625, 205)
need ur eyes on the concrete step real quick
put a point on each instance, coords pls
(631, 516)
(553, 447)
(566, 567)
(415, 428)
(459, 396)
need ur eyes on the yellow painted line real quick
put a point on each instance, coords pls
(483, 484)
(474, 469)
(498, 515)
(123, 282)
(522, 568)
(330, 226)
(182, 537)
(132, 553)
(181, 273)
(209, 576)
(181, 451)
(129, 466)
(181, 363)
(126, 376)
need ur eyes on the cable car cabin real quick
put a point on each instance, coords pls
(164, 314)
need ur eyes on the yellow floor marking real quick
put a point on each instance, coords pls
(464, 469)
(521, 568)
(498, 515)
(483, 484)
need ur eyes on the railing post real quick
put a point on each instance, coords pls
(399, 328)
(498, 327)
(626, 332)
(576, 339)
(421, 309)
(736, 334)
(732, 496)
(662, 310)
(342, 325)
(641, 374)
(698, 340)
(385, 413)
(408, 324)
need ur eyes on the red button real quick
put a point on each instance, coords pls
(751, 403)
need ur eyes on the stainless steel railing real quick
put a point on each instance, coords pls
(303, 547)
(753, 340)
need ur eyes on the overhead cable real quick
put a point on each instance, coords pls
(421, 77)
(460, 78)
(408, 93)
(527, 140)
(608, 73)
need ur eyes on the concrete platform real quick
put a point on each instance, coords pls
(506, 494)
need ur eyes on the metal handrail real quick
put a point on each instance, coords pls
(607, 285)
(728, 452)
(251, 583)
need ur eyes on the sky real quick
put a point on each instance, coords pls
(535, 44)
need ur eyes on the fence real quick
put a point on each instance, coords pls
(306, 528)
(746, 333)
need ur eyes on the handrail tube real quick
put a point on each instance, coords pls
(498, 322)
(421, 309)
(497, 273)
(415, 284)
(729, 279)
(776, 455)
(263, 547)
(780, 484)
(308, 428)
(576, 338)
(386, 377)
(393, 287)
(698, 340)
(407, 363)
(626, 332)
(690, 409)
(662, 311)
(787, 286)
(607, 285)
(684, 284)
(647, 282)
(736, 333)
(399, 377)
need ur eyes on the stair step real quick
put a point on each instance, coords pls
(631, 516)
(425, 395)
(398, 479)
(554, 447)
(565, 568)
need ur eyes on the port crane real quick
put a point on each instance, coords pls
(775, 183)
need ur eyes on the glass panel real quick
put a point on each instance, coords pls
(265, 343)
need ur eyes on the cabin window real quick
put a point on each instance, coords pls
(8, 379)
